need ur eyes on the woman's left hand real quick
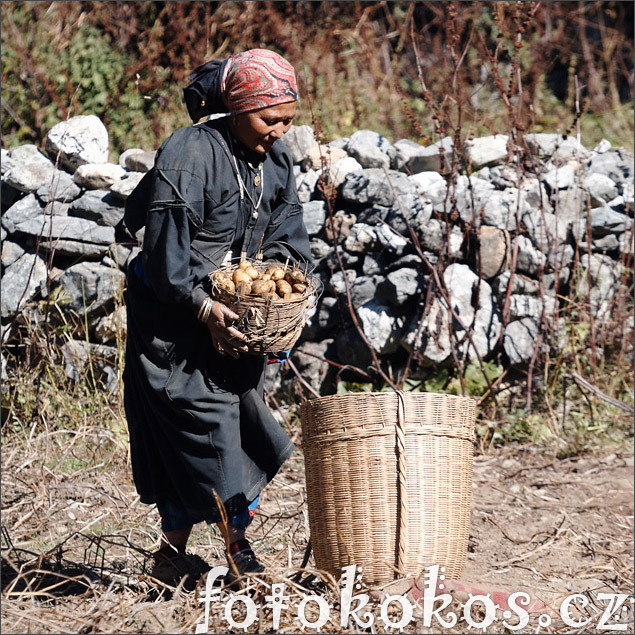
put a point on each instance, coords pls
(226, 339)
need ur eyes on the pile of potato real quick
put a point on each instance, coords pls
(275, 282)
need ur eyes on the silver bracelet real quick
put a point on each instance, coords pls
(205, 310)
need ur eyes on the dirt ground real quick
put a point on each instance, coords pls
(76, 541)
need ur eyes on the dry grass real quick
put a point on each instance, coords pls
(76, 541)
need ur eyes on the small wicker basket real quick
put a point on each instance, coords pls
(388, 479)
(270, 325)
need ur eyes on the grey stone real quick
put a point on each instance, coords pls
(306, 182)
(430, 184)
(503, 176)
(141, 161)
(569, 204)
(367, 147)
(363, 289)
(560, 177)
(24, 209)
(616, 164)
(339, 280)
(21, 282)
(390, 240)
(547, 231)
(554, 146)
(436, 157)
(122, 188)
(66, 228)
(60, 187)
(375, 186)
(530, 306)
(98, 205)
(610, 242)
(79, 140)
(299, 140)
(126, 153)
(519, 340)
(529, 260)
(319, 248)
(602, 147)
(597, 281)
(477, 201)
(98, 176)
(601, 188)
(29, 177)
(382, 325)
(10, 253)
(400, 286)
(338, 171)
(431, 333)
(409, 211)
(314, 216)
(520, 284)
(90, 286)
(486, 151)
(27, 153)
(604, 221)
(403, 150)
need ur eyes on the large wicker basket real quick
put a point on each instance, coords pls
(269, 325)
(388, 479)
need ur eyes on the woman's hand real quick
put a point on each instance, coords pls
(226, 339)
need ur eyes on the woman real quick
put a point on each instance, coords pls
(199, 430)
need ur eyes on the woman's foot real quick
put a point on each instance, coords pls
(173, 565)
(243, 561)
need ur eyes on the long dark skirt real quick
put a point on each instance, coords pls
(197, 421)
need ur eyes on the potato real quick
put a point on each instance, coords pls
(227, 285)
(253, 273)
(244, 264)
(272, 286)
(294, 296)
(244, 287)
(295, 276)
(240, 275)
(219, 276)
(299, 287)
(261, 287)
(283, 288)
(276, 272)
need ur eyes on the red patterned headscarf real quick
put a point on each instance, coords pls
(257, 79)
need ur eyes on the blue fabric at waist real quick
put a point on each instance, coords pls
(137, 266)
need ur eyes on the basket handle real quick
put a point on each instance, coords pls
(400, 433)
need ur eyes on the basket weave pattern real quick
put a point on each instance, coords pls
(388, 479)
(269, 325)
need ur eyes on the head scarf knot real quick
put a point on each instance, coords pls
(248, 81)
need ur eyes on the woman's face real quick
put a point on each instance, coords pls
(260, 128)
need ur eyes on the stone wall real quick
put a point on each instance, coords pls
(444, 255)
